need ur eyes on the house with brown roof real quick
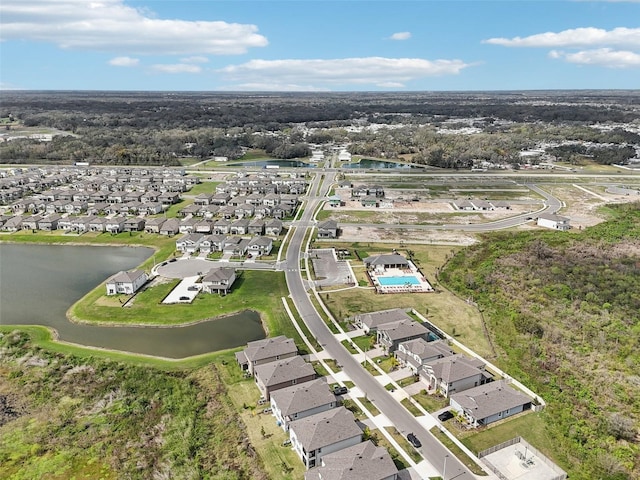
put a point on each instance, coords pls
(327, 432)
(264, 351)
(280, 374)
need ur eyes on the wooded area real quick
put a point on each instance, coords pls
(563, 312)
(138, 128)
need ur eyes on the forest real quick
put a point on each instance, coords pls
(161, 128)
(563, 313)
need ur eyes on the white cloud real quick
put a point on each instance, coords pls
(112, 26)
(577, 37)
(603, 57)
(176, 68)
(351, 71)
(401, 36)
(194, 59)
(124, 62)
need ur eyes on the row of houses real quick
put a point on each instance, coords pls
(470, 388)
(118, 224)
(234, 245)
(324, 434)
(17, 183)
(241, 206)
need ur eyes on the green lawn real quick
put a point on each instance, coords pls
(411, 407)
(369, 406)
(404, 443)
(431, 403)
(453, 448)
(254, 290)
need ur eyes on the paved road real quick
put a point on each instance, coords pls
(405, 422)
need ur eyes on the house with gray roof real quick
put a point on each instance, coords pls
(554, 222)
(385, 261)
(328, 229)
(126, 282)
(189, 243)
(266, 350)
(369, 322)
(170, 227)
(318, 435)
(454, 373)
(302, 400)
(390, 335)
(274, 376)
(259, 246)
(364, 461)
(418, 352)
(219, 280)
(489, 403)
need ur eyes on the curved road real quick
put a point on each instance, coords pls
(405, 422)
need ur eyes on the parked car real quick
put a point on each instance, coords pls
(414, 440)
(444, 416)
(183, 298)
(338, 390)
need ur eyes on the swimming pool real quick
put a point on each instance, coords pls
(400, 281)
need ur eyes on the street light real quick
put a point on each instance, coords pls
(444, 468)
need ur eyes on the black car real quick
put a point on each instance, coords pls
(414, 440)
(338, 390)
(444, 416)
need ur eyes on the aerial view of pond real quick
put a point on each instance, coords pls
(272, 163)
(38, 284)
(377, 164)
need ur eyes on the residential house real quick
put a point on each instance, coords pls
(219, 280)
(13, 224)
(115, 224)
(212, 243)
(152, 225)
(390, 335)
(259, 246)
(236, 246)
(555, 222)
(369, 321)
(204, 226)
(327, 432)
(97, 224)
(256, 227)
(489, 403)
(328, 229)
(221, 226)
(239, 227)
(260, 352)
(302, 400)
(364, 461)
(134, 224)
(49, 223)
(170, 227)
(418, 352)
(282, 374)
(189, 243)
(31, 222)
(273, 228)
(66, 223)
(454, 373)
(126, 282)
(188, 225)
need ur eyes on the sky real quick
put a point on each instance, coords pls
(327, 45)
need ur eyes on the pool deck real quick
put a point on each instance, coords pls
(423, 286)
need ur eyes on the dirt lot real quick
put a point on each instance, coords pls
(581, 205)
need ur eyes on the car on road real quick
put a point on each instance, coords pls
(338, 390)
(414, 440)
(444, 416)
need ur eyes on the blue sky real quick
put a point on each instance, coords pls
(328, 45)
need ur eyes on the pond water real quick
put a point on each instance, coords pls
(377, 164)
(273, 163)
(38, 284)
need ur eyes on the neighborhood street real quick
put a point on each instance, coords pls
(432, 450)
